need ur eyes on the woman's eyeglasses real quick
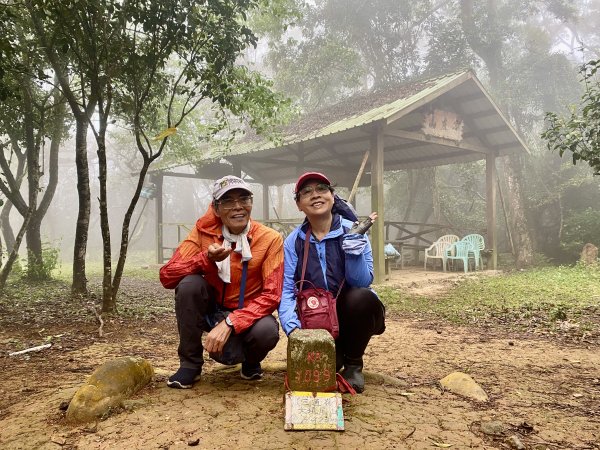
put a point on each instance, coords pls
(230, 203)
(318, 188)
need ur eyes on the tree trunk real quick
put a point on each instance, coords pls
(34, 242)
(108, 300)
(517, 220)
(79, 286)
(125, 236)
(7, 231)
(15, 252)
(34, 239)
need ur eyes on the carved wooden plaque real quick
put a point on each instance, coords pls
(443, 124)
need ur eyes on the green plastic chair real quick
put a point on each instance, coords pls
(477, 244)
(437, 249)
(459, 250)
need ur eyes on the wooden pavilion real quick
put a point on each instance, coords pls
(444, 120)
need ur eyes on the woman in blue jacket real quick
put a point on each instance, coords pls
(334, 256)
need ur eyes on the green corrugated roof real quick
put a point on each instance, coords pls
(405, 95)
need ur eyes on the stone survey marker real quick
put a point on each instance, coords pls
(311, 361)
(310, 403)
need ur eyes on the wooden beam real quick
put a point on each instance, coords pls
(501, 114)
(378, 230)
(180, 175)
(490, 201)
(358, 177)
(353, 140)
(420, 137)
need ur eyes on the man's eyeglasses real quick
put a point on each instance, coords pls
(318, 188)
(230, 203)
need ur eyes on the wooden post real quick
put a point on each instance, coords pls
(358, 177)
(490, 200)
(265, 200)
(377, 231)
(158, 202)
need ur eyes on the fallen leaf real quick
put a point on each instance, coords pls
(577, 395)
(440, 444)
(407, 394)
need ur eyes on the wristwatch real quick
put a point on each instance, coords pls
(228, 322)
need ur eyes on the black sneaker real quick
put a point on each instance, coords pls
(184, 378)
(251, 371)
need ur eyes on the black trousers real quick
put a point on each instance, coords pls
(361, 316)
(194, 299)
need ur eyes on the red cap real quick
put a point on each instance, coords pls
(311, 176)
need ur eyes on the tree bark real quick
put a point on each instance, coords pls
(108, 300)
(7, 231)
(79, 285)
(57, 124)
(33, 237)
(12, 257)
(517, 219)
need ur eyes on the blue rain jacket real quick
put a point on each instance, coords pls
(326, 267)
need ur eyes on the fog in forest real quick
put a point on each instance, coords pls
(319, 53)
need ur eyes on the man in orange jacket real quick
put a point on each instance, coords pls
(212, 293)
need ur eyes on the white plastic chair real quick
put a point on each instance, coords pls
(437, 250)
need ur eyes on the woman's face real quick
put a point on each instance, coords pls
(315, 199)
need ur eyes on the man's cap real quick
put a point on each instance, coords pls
(226, 184)
(310, 176)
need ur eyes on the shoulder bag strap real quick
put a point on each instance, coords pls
(243, 284)
(305, 256)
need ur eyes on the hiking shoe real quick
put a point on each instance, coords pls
(251, 371)
(184, 378)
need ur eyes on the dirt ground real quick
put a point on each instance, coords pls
(544, 392)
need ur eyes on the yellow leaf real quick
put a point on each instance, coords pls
(440, 444)
(407, 394)
(164, 134)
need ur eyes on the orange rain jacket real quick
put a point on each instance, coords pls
(265, 270)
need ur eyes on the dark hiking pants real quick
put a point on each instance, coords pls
(361, 316)
(194, 300)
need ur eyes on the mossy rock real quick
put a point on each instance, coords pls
(108, 386)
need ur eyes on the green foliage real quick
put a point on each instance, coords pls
(579, 134)
(578, 229)
(42, 270)
(537, 298)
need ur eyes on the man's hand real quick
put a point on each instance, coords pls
(216, 339)
(218, 253)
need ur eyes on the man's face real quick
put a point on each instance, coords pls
(234, 209)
